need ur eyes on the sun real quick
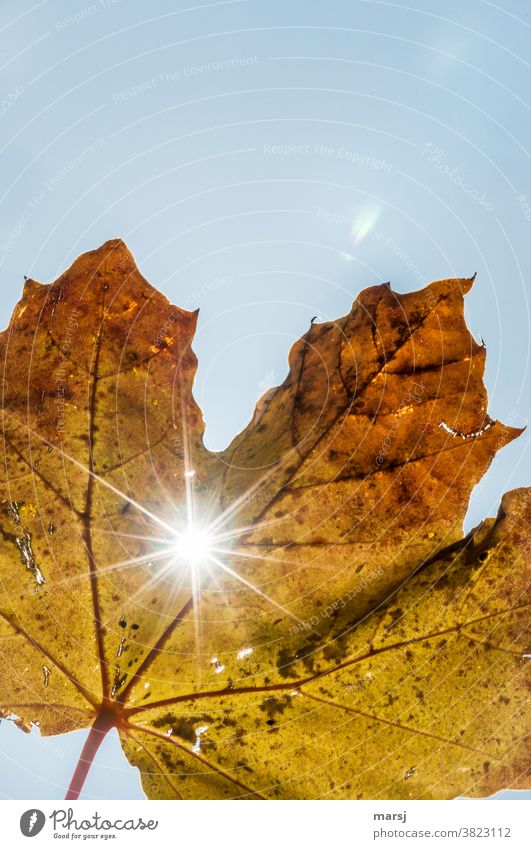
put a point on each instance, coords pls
(195, 546)
(202, 548)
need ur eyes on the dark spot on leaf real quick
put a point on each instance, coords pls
(275, 707)
(183, 727)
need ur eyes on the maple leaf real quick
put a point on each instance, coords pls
(297, 616)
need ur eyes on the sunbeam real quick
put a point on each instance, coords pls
(195, 545)
(258, 592)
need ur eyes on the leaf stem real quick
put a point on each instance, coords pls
(102, 724)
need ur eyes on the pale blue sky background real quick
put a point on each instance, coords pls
(156, 122)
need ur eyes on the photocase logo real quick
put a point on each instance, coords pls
(32, 822)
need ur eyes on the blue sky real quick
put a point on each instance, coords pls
(265, 162)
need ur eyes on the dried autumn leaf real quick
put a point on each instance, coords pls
(239, 617)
